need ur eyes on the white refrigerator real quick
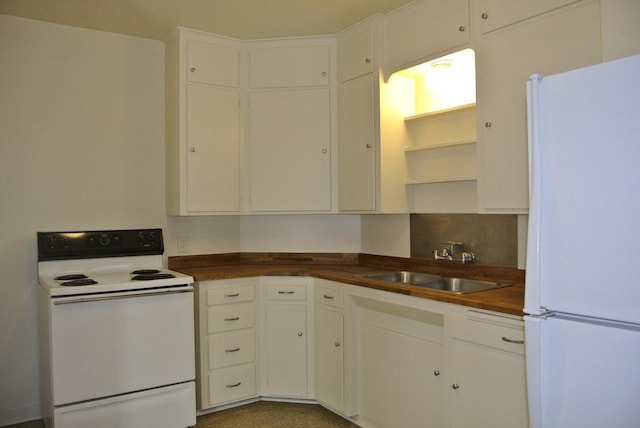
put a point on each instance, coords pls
(583, 253)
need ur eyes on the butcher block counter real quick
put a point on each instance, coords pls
(346, 268)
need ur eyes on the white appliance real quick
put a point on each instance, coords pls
(116, 332)
(582, 281)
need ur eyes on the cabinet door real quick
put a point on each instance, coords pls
(212, 64)
(290, 157)
(505, 59)
(213, 144)
(329, 362)
(490, 388)
(289, 66)
(417, 32)
(400, 381)
(355, 53)
(356, 158)
(495, 14)
(286, 350)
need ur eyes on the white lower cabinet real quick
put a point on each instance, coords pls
(329, 348)
(226, 342)
(285, 341)
(488, 377)
(380, 359)
(400, 364)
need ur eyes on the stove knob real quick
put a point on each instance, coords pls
(104, 240)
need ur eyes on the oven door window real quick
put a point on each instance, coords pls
(103, 347)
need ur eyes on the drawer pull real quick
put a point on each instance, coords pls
(518, 342)
(436, 373)
(231, 350)
(234, 385)
(232, 319)
(328, 297)
(286, 292)
(455, 386)
(231, 295)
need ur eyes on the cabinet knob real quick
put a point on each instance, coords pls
(461, 28)
(368, 145)
(337, 344)
(367, 60)
(484, 16)
(192, 69)
(436, 373)
(324, 74)
(192, 149)
(455, 386)
(487, 124)
(299, 334)
(324, 150)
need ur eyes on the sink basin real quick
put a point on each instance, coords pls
(462, 286)
(435, 282)
(403, 277)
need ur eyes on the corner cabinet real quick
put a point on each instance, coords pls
(290, 136)
(202, 124)
(226, 341)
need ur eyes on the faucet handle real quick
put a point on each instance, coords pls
(452, 246)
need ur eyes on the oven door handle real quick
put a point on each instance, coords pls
(121, 296)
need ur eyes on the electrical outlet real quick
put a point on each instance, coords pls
(182, 244)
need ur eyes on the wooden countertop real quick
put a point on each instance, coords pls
(346, 268)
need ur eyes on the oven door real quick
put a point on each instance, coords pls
(104, 345)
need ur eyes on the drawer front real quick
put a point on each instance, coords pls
(232, 384)
(217, 296)
(506, 338)
(327, 296)
(228, 349)
(287, 292)
(230, 317)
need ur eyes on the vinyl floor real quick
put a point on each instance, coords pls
(261, 414)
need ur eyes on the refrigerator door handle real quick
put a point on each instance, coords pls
(532, 291)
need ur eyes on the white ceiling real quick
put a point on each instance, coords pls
(243, 19)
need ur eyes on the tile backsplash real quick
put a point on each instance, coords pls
(493, 238)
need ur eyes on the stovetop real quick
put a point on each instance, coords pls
(78, 263)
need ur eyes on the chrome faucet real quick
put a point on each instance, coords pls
(449, 253)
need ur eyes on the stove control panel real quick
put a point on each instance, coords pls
(101, 243)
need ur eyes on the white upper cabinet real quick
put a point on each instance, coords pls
(496, 14)
(289, 66)
(371, 169)
(419, 31)
(290, 132)
(290, 152)
(202, 124)
(356, 52)
(554, 42)
(212, 64)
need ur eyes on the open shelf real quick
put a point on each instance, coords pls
(442, 180)
(442, 145)
(440, 112)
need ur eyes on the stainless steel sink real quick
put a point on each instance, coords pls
(462, 285)
(435, 282)
(403, 277)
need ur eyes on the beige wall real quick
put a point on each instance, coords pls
(81, 146)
